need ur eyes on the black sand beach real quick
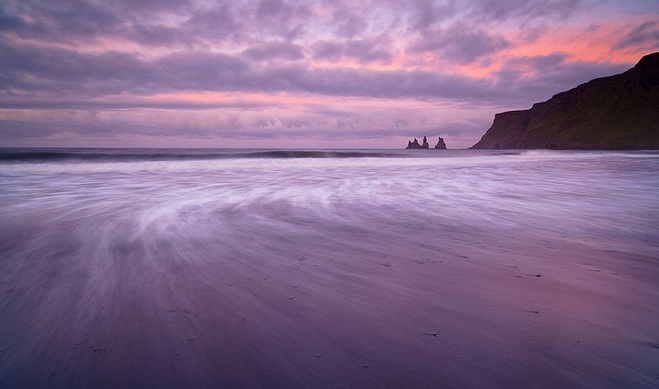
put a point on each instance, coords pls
(475, 270)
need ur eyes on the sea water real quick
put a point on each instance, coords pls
(580, 194)
(124, 267)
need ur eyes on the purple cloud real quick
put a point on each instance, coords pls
(426, 13)
(537, 78)
(55, 71)
(443, 67)
(524, 10)
(460, 43)
(347, 24)
(46, 72)
(52, 21)
(40, 71)
(220, 22)
(645, 35)
(362, 50)
(274, 51)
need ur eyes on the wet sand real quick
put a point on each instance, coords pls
(463, 269)
(335, 307)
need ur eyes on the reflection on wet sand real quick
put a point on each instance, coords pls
(349, 275)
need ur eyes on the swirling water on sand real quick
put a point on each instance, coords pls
(328, 268)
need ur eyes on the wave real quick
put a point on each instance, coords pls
(91, 155)
(318, 154)
(132, 155)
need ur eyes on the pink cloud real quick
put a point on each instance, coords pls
(284, 71)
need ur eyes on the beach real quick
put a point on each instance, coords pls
(331, 269)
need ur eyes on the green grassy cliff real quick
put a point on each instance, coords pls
(616, 112)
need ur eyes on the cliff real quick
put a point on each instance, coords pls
(616, 112)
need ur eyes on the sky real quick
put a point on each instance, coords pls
(289, 73)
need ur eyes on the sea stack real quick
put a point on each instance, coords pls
(415, 144)
(619, 112)
(440, 144)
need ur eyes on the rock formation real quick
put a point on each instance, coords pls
(616, 112)
(440, 144)
(415, 144)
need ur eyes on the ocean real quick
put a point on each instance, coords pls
(328, 268)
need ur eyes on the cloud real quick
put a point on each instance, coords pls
(46, 72)
(127, 103)
(362, 50)
(158, 35)
(219, 22)
(9, 22)
(33, 69)
(217, 68)
(427, 13)
(281, 18)
(54, 70)
(531, 79)
(460, 43)
(524, 11)
(146, 7)
(274, 51)
(645, 36)
(267, 9)
(347, 24)
(368, 121)
(516, 68)
(201, 71)
(57, 20)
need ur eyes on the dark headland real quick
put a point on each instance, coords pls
(619, 112)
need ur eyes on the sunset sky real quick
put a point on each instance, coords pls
(285, 73)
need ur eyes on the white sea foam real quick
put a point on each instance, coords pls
(169, 255)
